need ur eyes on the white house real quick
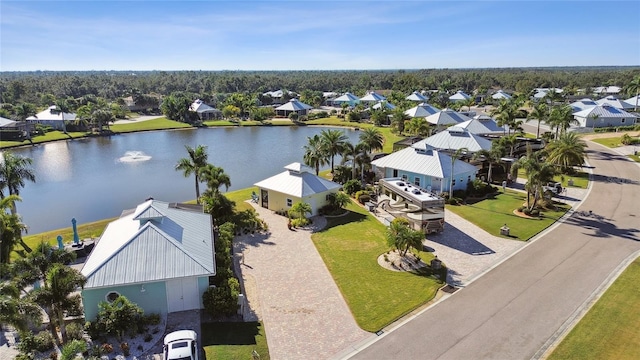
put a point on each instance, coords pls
(604, 115)
(383, 105)
(160, 256)
(481, 125)
(422, 110)
(51, 117)
(446, 117)
(633, 101)
(455, 138)
(372, 97)
(582, 104)
(605, 90)
(416, 96)
(204, 111)
(296, 184)
(501, 95)
(616, 103)
(347, 98)
(294, 105)
(459, 96)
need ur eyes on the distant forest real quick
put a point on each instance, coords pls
(34, 87)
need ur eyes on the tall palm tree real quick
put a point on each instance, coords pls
(193, 164)
(399, 118)
(371, 139)
(507, 112)
(11, 229)
(315, 154)
(34, 267)
(567, 151)
(538, 112)
(24, 110)
(561, 118)
(214, 177)
(333, 142)
(538, 172)
(418, 126)
(454, 157)
(56, 296)
(632, 88)
(492, 156)
(14, 170)
(352, 153)
(64, 107)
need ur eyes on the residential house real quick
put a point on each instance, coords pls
(372, 97)
(615, 102)
(417, 97)
(296, 184)
(459, 96)
(501, 95)
(159, 255)
(422, 110)
(346, 98)
(204, 111)
(446, 117)
(481, 125)
(604, 115)
(51, 117)
(455, 138)
(582, 104)
(293, 106)
(634, 101)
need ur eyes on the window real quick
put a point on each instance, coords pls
(416, 181)
(289, 202)
(404, 177)
(112, 296)
(622, 121)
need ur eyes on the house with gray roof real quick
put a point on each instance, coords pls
(417, 97)
(293, 106)
(51, 117)
(455, 138)
(296, 184)
(482, 125)
(501, 95)
(582, 104)
(159, 255)
(204, 111)
(604, 115)
(615, 102)
(446, 117)
(459, 96)
(422, 110)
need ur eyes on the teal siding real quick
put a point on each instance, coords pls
(203, 284)
(426, 181)
(152, 300)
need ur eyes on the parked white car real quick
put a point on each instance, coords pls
(181, 345)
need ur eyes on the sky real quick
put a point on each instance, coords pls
(316, 35)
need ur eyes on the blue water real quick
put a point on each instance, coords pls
(86, 179)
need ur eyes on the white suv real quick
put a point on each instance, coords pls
(181, 345)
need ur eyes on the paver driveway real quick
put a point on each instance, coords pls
(289, 287)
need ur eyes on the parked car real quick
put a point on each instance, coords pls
(554, 187)
(181, 345)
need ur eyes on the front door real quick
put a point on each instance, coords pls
(264, 194)
(182, 294)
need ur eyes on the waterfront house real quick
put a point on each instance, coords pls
(51, 117)
(454, 138)
(615, 102)
(296, 184)
(346, 98)
(204, 111)
(293, 106)
(159, 255)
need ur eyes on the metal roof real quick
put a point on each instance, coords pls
(422, 110)
(52, 114)
(6, 122)
(603, 111)
(347, 97)
(416, 96)
(294, 105)
(617, 103)
(178, 244)
(386, 104)
(582, 104)
(481, 126)
(199, 106)
(459, 95)
(447, 117)
(423, 160)
(298, 183)
(455, 138)
(373, 96)
(501, 95)
(635, 100)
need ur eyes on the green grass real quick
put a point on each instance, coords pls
(240, 196)
(234, 340)
(492, 213)
(610, 329)
(350, 246)
(50, 136)
(155, 124)
(580, 179)
(635, 158)
(611, 142)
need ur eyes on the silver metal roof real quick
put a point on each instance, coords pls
(423, 160)
(481, 126)
(52, 113)
(459, 95)
(297, 183)
(501, 95)
(178, 244)
(422, 110)
(603, 111)
(617, 103)
(455, 138)
(294, 105)
(200, 107)
(347, 97)
(6, 122)
(373, 97)
(416, 96)
(447, 117)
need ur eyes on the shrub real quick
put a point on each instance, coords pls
(71, 349)
(625, 139)
(117, 317)
(352, 186)
(521, 208)
(43, 341)
(125, 348)
(223, 299)
(526, 211)
(148, 337)
(152, 319)
(299, 222)
(364, 198)
(459, 194)
(535, 212)
(75, 331)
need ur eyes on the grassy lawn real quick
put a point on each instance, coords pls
(240, 196)
(350, 246)
(491, 214)
(155, 124)
(234, 340)
(609, 142)
(610, 329)
(50, 136)
(580, 179)
(635, 158)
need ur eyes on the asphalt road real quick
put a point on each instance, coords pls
(510, 312)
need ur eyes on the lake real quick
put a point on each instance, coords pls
(97, 178)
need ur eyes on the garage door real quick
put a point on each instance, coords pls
(182, 294)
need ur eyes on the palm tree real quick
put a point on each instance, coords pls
(193, 164)
(402, 237)
(14, 170)
(301, 208)
(24, 110)
(539, 112)
(567, 151)
(10, 229)
(469, 102)
(15, 311)
(399, 118)
(538, 172)
(507, 112)
(492, 156)
(632, 88)
(353, 153)
(333, 142)
(371, 139)
(55, 297)
(214, 177)
(64, 107)
(315, 154)
(454, 157)
(34, 267)
(561, 118)
(418, 126)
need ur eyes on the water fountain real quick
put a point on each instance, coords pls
(134, 156)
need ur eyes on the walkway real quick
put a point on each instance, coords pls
(291, 290)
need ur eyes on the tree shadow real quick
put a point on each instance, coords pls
(454, 238)
(601, 227)
(350, 217)
(242, 242)
(230, 333)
